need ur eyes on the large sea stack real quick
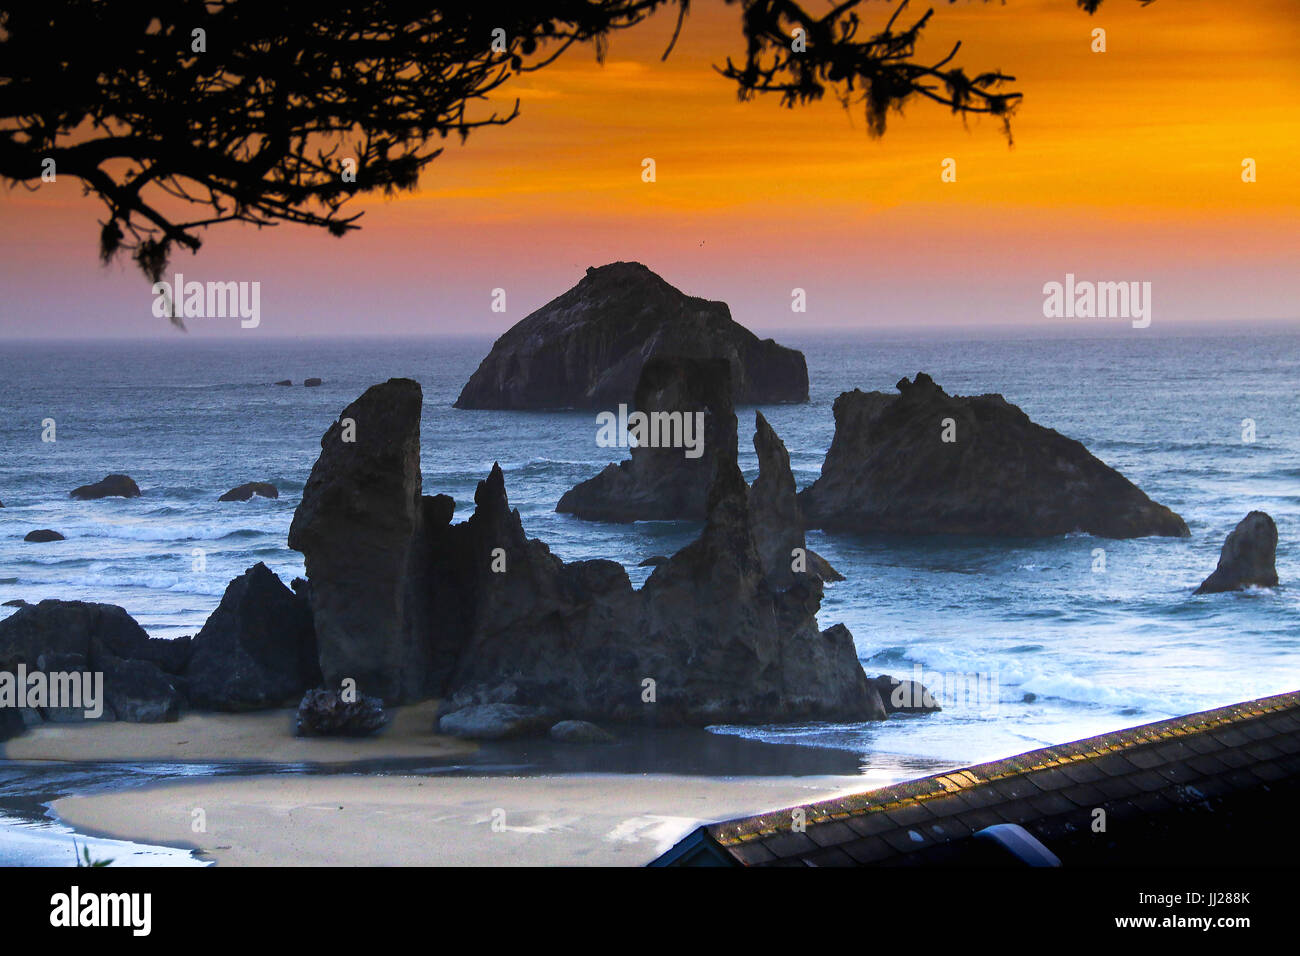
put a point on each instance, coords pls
(1248, 557)
(355, 526)
(478, 613)
(586, 348)
(926, 462)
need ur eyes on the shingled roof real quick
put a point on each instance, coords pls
(1219, 786)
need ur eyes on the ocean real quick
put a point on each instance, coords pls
(1029, 640)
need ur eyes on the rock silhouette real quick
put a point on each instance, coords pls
(257, 648)
(1248, 557)
(586, 348)
(664, 483)
(776, 518)
(323, 712)
(355, 526)
(247, 490)
(142, 681)
(42, 536)
(408, 603)
(111, 486)
(889, 470)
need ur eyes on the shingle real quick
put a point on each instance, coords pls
(1116, 787)
(949, 828)
(1084, 795)
(1144, 758)
(979, 819)
(1152, 802)
(831, 834)
(1263, 750)
(1015, 788)
(1233, 757)
(1149, 780)
(1268, 772)
(753, 853)
(909, 814)
(982, 796)
(1051, 804)
(1207, 764)
(906, 840)
(1113, 765)
(1082, 772)
(1229, 736)
(869, 824)
(1053, 778)
(948, 805)
(869, 850)
(1015, 811)
(831, 857)
(789, 843)
(1178, 772)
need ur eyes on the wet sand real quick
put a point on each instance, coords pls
(318, 820)
(241, 790)
(263, 736)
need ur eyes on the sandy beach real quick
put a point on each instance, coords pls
(264, 736)
(279, 820)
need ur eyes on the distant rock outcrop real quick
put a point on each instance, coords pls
(112, 486)
(257, 648)
(679, 398)
(244, 492)
(925, 462)
(312, 382)
(1248, 557)
(42, 536)
(285, 381)
(586, 348)
(356, 526)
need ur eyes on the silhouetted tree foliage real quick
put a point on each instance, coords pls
(245, 109)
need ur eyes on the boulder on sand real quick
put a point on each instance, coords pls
(285, 381)
(311, 382)
(111, 486)
(586, 348)
(925, 462)
(42, 536)
(661, 481)
(244, 492)
(257, 648)
(323, 712)
(360, 513)
(1248, 557)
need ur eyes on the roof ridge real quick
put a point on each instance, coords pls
(917, 791)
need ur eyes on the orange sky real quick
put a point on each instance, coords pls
(1126, 166)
